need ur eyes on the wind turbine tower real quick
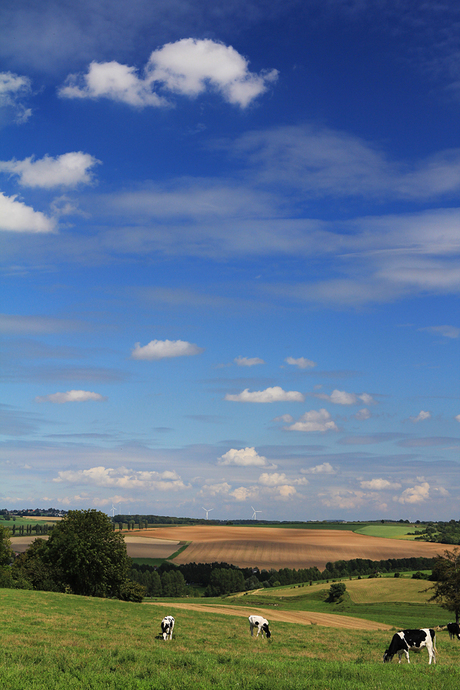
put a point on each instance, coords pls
(254, 515)
(207, 511)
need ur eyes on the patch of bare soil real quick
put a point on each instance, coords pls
(142, 547)
(329, 620)
(285, 548)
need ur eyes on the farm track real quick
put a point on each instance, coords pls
(328, 620)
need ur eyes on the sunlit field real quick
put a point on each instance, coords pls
(58, 641)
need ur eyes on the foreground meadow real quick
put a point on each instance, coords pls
(57, 642)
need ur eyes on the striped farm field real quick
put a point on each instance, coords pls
(366, 590)
(284, 548)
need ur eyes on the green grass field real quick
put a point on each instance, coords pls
(61, 642)
(387, 531)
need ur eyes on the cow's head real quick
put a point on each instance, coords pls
(387, 656)
(266, 630)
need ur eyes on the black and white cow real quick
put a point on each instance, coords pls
(412, 639)
(167, 627)
(454, 630)
(261, 624)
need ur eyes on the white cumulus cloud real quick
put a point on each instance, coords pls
(269, 395)
(242, 493)
(300, 362)
(67, 170)
(162, 349)
(71, 396)
(315, 420)
(245, 457)
(188, 67)
(422, 415)
(15, 216)
(248, 361)
(415, 494)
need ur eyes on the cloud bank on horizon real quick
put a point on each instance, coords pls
(203, 205)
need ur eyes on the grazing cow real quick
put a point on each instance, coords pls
(261, 624)
(454, 630)
(167, 627)
(412, 639)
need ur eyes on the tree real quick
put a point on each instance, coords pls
(31, 567)
(446, 572)
(6, 552)
(336, 591)
(87, 557)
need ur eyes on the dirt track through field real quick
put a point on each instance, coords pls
(285, 548)
(328, 620)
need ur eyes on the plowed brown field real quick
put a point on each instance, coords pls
(284, 548)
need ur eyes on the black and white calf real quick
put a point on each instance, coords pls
(412, 639)
(167, 627)
(261, 624)
(454, 630)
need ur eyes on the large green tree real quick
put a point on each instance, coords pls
(33, 567)
(88, 557)
(6, 553)
(446, 573)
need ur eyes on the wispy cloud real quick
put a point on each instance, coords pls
(248, 361)
(343, 398)
(324, 468)
(445, 331)
(71, 396)
(379, 484)
(300, 362)
(13, 91)
(19, 324)
(123, 478)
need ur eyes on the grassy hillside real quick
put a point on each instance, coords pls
(62, 642)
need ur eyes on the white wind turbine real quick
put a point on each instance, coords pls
(254, 515)
(207, 511)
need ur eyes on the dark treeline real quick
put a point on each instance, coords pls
(218, 579)
(169, 520)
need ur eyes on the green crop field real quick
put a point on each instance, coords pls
(388, 531)
(61, 642)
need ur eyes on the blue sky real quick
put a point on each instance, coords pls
(230, 242)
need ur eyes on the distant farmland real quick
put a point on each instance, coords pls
(283, 548)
